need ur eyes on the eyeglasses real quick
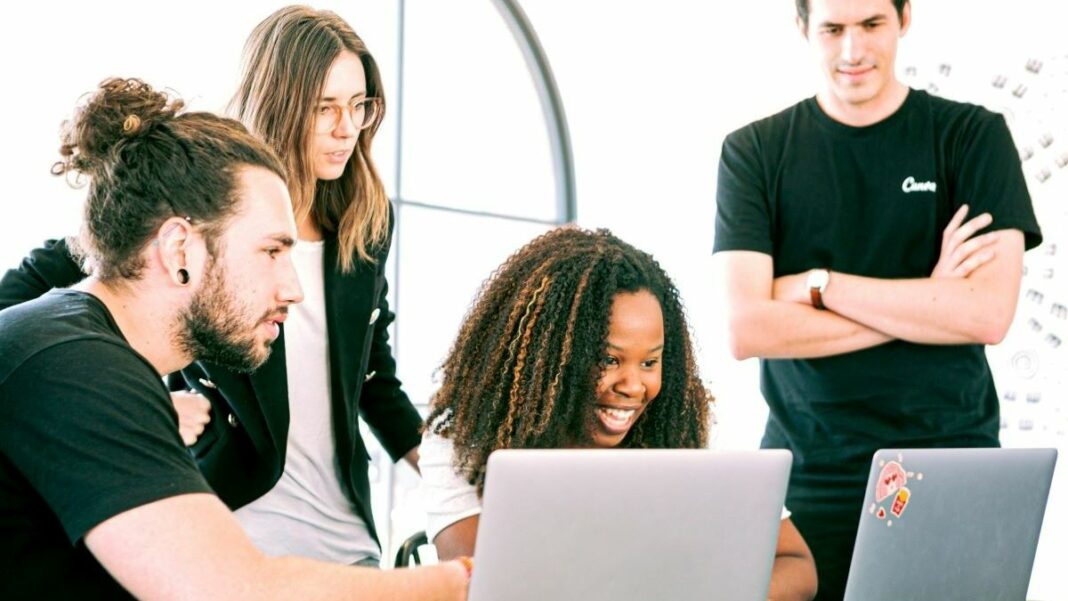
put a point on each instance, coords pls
(362, 113)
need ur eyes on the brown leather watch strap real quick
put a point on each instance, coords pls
(817, 297)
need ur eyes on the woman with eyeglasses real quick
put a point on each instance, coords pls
(282, 446)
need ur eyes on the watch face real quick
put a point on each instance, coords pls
(818, 278)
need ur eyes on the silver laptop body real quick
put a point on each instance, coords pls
(945, 524)
(619, 525)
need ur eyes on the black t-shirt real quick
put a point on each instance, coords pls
(871, 201)
(87, 431)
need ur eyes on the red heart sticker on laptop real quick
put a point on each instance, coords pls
(891, 479)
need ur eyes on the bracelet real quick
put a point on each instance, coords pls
(468, 564)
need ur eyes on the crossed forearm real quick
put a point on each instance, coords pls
(975, 309)
(777, 329)
(927, 310)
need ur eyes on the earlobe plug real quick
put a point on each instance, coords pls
(183, 276)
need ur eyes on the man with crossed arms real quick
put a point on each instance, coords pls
(851, 272)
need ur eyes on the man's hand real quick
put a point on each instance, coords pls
(961, 252)
(194, 412)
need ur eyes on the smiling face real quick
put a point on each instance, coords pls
(631, 368)
(855, 43)
(334, 136)
(247, 287)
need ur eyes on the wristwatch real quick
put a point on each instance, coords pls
(817, 283)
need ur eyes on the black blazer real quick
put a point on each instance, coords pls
(242, 451)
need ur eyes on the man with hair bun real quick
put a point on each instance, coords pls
(283, 446)
(187, 230)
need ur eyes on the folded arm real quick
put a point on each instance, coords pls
(763, 326)
(970, 297)
(977, 309)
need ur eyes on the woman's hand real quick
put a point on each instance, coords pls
(194, 412)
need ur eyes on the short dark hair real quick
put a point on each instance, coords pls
(147, 161)
(524, 369)
(802, 9)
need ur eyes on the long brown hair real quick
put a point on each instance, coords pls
(523, 371)
(286, 61)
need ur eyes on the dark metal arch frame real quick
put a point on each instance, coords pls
(551, 103)
(556, 123)
(552, 109)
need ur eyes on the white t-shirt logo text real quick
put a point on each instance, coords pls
(911, 185)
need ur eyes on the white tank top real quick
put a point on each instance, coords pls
(306, 513)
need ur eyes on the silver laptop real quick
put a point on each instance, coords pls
(950, 524)
(621, 525)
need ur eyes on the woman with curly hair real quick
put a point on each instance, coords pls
(577, 340)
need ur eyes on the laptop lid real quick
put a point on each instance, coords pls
(950, 524)
(619, 525)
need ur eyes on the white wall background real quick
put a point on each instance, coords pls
(650, 90)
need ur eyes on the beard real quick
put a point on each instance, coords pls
(218, 328)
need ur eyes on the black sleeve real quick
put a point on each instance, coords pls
(383, 404)
(91, 427)
(48, 267)
(743, 214)
(989, 177)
